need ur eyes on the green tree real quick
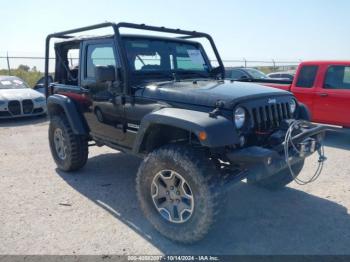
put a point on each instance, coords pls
(23, 67)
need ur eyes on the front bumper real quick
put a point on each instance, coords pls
(7, 111)
(262, 162)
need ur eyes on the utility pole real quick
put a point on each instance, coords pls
(8, 63)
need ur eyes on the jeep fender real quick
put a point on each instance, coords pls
(303, 112)
(220, 131)
(57, 103)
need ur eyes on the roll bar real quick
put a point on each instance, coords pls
(116, 27)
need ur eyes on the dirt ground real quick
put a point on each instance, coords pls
(94, 211)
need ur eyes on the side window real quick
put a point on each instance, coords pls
(235, 74)
(275, 76)
(337, 77)
(73, 58)
(307, 76)
(98, 55)
(287, 76)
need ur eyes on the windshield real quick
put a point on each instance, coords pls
(12, 83)
(256, 74)
(163, 57)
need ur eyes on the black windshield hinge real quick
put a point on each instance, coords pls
(215, 113)
(219, 104)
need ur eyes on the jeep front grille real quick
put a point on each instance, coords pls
(270, 116)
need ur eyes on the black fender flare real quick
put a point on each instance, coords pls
(70, 110)
(220, 131)
(303, 112)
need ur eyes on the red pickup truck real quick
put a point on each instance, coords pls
(324, 87)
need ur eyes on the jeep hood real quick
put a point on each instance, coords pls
(207, 93)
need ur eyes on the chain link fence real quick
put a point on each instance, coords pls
(30, 68)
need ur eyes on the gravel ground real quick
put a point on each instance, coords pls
(94, 211)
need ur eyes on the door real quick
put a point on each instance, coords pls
(332, 101)
(105, 115)
(304, 87)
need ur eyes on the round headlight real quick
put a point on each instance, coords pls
(292, 106)
(239, 117)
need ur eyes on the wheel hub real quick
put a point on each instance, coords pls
(172, 196)
(60, 145)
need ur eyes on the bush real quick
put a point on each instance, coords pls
(30, 76)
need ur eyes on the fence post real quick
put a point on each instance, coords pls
(8, 63)
(274, 65)
(245, 62)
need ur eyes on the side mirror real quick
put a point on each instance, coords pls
(38, 86)
(104, 74)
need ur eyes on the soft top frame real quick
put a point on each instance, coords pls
(116, 27)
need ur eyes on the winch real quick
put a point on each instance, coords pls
(304, 148)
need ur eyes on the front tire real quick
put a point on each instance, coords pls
(69, 151)
(177, 193)
(280, 179)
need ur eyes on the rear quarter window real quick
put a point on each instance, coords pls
(307, 76)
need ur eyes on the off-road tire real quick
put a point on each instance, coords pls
(201, 176)
(77, 146)
(280, 179)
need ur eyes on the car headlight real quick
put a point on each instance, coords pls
(239, 117)
(292, 106)
(39, 99)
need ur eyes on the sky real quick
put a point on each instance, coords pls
(252, 29)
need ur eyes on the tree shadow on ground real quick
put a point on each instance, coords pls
(253, 220)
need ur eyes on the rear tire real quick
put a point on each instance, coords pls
(69, 151)
(199, 175)
(280, 179)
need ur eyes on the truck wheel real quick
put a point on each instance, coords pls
(280, 179)
(177, 193)
(69, 151)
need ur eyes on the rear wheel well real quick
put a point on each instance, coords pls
(72, 114)
(158, 135)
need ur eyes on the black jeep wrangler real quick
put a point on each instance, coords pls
(160, 98)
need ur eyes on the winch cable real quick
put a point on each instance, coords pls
(289, 141)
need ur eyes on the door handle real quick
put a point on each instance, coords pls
(322, 94)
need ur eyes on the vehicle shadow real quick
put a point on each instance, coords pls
(338, 138)
(30, 120)
(253, 220)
